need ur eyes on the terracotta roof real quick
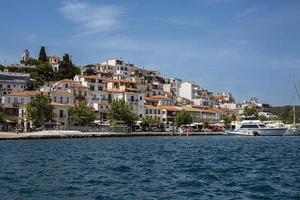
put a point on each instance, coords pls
(152, 107)
(170, 108)
(200, 107)
(55, 57)
(159, 97)
(62, 91)
(121, 81)
(78, 85)
(23, 93)
(66, 80)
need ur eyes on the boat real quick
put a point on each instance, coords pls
(294, 129)
(254, 128)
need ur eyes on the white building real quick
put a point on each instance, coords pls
(197, 94)
(136, 100)
(54, 62)
(10, 81)
(97, 87)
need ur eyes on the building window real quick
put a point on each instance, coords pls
(15, 100)
(61, 113)
(92, 88)
(146, 111)
(67, 99)
(141, 98)
(132, 98)
(8, 100)
(99, 81)
(61, 99)
(55, 99)
(163, 112)
(22, 100)
(158, 112)
(100, 88)
(150, 111)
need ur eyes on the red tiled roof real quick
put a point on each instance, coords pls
(23, 93)
(159, 97)
(170, 108)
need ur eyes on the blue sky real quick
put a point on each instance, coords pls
(248, 47)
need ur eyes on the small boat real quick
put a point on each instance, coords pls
(254, 128)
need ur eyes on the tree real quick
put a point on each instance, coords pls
(89, 71)
(43, 55)
(227, 119)
(120, 111)
(67, 69)
(287, 115)
(2, 117)
(263, 118)
(81, 114)
(183, 117)
(32, 84)
(248, 112)
(205, 122)
(2, 67)
(39, 110)
(149, 122)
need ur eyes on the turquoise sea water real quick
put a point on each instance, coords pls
(207, 167)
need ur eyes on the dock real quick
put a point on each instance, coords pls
(77, 134)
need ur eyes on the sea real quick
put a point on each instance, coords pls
(186, 167)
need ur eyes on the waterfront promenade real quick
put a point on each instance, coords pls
(78, 134)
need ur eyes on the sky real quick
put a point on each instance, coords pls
(247, 47)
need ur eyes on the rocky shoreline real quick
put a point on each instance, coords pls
(78, 134)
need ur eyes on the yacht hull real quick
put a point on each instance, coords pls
(258, 132)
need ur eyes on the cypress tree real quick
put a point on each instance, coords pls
(42, 55)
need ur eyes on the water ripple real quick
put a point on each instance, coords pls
(151, 168)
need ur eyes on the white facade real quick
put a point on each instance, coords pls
(97, 87)
(197, 94)
(12, 82)
(134, 99)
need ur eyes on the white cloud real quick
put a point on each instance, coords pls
(91, 18)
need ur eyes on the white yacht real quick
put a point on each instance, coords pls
(254, 128)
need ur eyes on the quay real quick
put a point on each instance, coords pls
(78, 134)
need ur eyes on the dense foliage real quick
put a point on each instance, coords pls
(227, 119)
(89, 72)
(42, 55)
(183, 117)
(67, 69)
(121, 112)
(250, 112)
(81, 114)
(151, 123)
(39, 110)
(2, 117)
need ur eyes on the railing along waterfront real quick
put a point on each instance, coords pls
(102, 128)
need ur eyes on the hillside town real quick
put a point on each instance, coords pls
(147, 92)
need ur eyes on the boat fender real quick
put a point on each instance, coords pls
(255, 133)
